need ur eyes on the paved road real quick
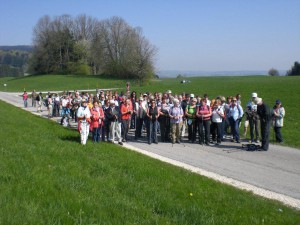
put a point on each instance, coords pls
(276, 171)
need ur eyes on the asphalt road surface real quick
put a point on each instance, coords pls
(273, 174)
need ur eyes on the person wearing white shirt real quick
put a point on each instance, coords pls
(83, 115)
(217, 118)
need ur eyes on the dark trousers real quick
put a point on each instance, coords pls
(133, 121)
(192, 131)
(105, 131)
(139, 127)
(265, 134)
(152, 131)
(222, 129)
(216, 131)
(165, 129)
(234, 124)
(125, 127)
(278, 135)
(204, 131)
(253, 123)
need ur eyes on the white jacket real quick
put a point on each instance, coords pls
(278, 117)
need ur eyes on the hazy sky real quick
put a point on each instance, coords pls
(207, 35)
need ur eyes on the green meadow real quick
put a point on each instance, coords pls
(286, 88)
(47, 177)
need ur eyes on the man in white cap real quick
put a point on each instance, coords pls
(265, 115)
(252, 119)
(114, 118)
(83, 115)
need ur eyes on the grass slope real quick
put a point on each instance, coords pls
(47, 177)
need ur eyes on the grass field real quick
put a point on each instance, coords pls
(47, 177)
(287, 89)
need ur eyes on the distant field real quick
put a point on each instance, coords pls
(47, 177)
(287, 89)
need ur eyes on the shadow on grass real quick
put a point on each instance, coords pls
(71, 138)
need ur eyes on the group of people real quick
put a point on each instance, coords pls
(110, 116)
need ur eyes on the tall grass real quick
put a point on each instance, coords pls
(47, 177)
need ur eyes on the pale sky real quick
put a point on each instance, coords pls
(191, 35)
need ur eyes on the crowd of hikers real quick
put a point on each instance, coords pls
(109, 116)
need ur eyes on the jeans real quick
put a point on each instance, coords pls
(96, 134)
(278, 135)
(152, 131)
(234, 124)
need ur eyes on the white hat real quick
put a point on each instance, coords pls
(169, 92)
(112, 101)
(176, 100)
(254, 95)
(192, 95)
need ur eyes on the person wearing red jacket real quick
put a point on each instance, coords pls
(97, 116)
(126, 111)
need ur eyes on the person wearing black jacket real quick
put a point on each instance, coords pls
(265, 115)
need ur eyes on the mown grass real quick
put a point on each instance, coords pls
(269, 88)
(47, 177)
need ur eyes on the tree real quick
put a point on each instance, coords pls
(295, 70)
(84, 44)
(273, 72)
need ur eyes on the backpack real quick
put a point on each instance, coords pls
(251, 147)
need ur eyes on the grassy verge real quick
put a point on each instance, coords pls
(47, 177)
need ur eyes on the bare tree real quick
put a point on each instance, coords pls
(273, 72)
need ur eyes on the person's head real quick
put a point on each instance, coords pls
(215, 105)
(176, 102)
(152, 102)
(238, 96)
(96, 104)
(194, 101)
(112, 103)
(192, 96)
(203, 102)
(229, 99)
(84, 102)
(258, 101)
(205, 96)
(278, 103)
(234, 100)
(254, 96)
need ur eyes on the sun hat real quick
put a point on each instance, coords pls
(192, 95)
(254, 95)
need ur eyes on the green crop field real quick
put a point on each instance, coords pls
(286, 88)
(47, 177)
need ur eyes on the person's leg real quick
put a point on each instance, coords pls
(207, 130)
(219, 128)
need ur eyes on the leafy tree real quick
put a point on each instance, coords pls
(111, 46)
(273, 72)
(295, 70)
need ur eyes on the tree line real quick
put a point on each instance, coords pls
(13, 62)
(85, 45)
